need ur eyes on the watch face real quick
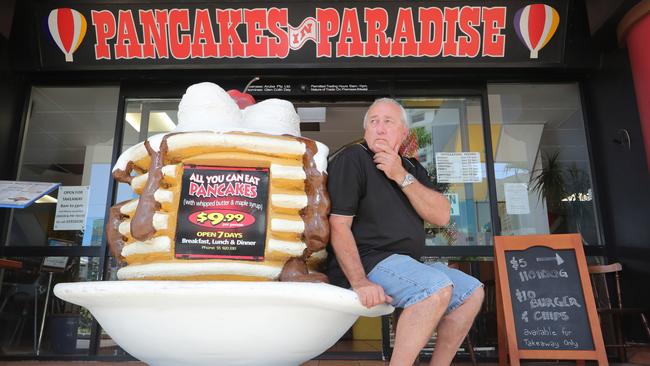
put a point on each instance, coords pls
(408, 179)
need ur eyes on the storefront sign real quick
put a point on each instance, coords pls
(222, 213)
(334, 34)
(458, 167)
(71, 208)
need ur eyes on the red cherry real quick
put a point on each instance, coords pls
(243, 100)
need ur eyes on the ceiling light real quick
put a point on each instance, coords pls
(134, 120)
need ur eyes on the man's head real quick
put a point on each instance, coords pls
(385, 124)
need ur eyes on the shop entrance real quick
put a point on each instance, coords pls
(446, 136)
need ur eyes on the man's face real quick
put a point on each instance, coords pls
(384, 127)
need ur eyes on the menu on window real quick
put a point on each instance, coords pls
(458, 167)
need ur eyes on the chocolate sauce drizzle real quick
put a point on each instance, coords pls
(295, 270)
(142, 223)
(114, 238)
(317, 230)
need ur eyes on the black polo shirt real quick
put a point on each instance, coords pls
(384, 221)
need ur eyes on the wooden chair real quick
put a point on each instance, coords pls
(611, 310)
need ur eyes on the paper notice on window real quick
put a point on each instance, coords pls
(71, 208)
(516, 198)
(458, 167)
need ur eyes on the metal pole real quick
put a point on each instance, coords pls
(47, 299)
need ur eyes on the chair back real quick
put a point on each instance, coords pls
(602, 276)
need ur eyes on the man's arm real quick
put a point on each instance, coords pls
(347, 254)
(432, 206)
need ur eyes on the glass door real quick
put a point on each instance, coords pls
(449, 140)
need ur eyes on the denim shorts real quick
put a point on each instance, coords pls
(408, 281)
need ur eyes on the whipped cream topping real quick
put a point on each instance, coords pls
(272, 116)
(207, 107)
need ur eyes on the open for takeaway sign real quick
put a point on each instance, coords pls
(336, 34)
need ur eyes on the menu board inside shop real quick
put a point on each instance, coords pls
(545, 304)
(222, 213)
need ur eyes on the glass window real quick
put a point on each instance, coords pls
(23, 293)
(541, 161)
(68, 140)
(144, 118)
(448, 133)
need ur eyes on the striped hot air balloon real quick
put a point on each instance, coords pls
(535, 25)
(67, 28)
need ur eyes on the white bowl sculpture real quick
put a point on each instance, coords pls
(220, 323)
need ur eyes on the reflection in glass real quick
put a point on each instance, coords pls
(23, 293)
(448, 133)
(68, 140)
(541, 161)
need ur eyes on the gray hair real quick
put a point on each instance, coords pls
(403, 114)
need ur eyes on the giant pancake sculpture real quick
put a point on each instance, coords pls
(225, 239)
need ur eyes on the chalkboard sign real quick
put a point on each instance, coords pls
(547, 309)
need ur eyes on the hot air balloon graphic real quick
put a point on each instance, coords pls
(535, 25)
(67, 28)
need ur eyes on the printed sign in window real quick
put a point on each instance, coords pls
(71, 208)
(458, 167)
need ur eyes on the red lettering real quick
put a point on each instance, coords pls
(240, 189)
(328, 26)
(349, 43)
(212, 190)
(179, 44)
(231, 45)
(277, 20)
(469, 45)
(377, 44)
(127, 45)
(278, 47)
(450, 47)
(203, 44)
(193, 188)
(230, 190)
(494, 20)
(104, 23)
(257, 44)
(154, 31)
(431, 30)
(404, 38)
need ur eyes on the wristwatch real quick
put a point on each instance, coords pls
(408, 180)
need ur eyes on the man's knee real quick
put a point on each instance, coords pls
(442, 296)
(478, 295)
(476, 298)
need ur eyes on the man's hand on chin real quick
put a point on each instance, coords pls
(389, 162)
(370, 294)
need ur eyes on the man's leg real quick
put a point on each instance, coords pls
(416, 325)
(453, 328)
